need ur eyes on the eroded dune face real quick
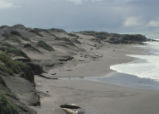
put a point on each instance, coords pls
(25, 52)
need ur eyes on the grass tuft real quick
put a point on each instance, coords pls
(45, 46)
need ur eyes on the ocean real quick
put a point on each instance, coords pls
(145, 66)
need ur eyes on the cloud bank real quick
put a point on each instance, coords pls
(75, 15)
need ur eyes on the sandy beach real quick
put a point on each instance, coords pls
(96, 97)
(109, 55)
(44, 69)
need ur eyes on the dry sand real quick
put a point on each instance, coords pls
(111, 54)
(96, 97)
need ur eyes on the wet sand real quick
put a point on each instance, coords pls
(97, 98)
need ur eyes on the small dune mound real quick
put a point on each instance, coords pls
(18, 34)
(11, 37)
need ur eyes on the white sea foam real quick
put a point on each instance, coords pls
(147, 68)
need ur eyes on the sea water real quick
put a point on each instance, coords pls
(146, 66)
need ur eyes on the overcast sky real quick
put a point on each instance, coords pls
(74, 15)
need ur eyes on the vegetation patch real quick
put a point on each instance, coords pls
(11, 67)
(116, 38)
(100, 35)
(6, 107)
(8, 65)
(2, 83)
(11, 37)
(45, 46)
(37, 32)
(16, 33)
(32, 48)
(12, 50)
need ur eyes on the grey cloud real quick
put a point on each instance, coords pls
(106, 15)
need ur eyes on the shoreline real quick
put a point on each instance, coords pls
(110, 55)
(126, 80)
(96, 97)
